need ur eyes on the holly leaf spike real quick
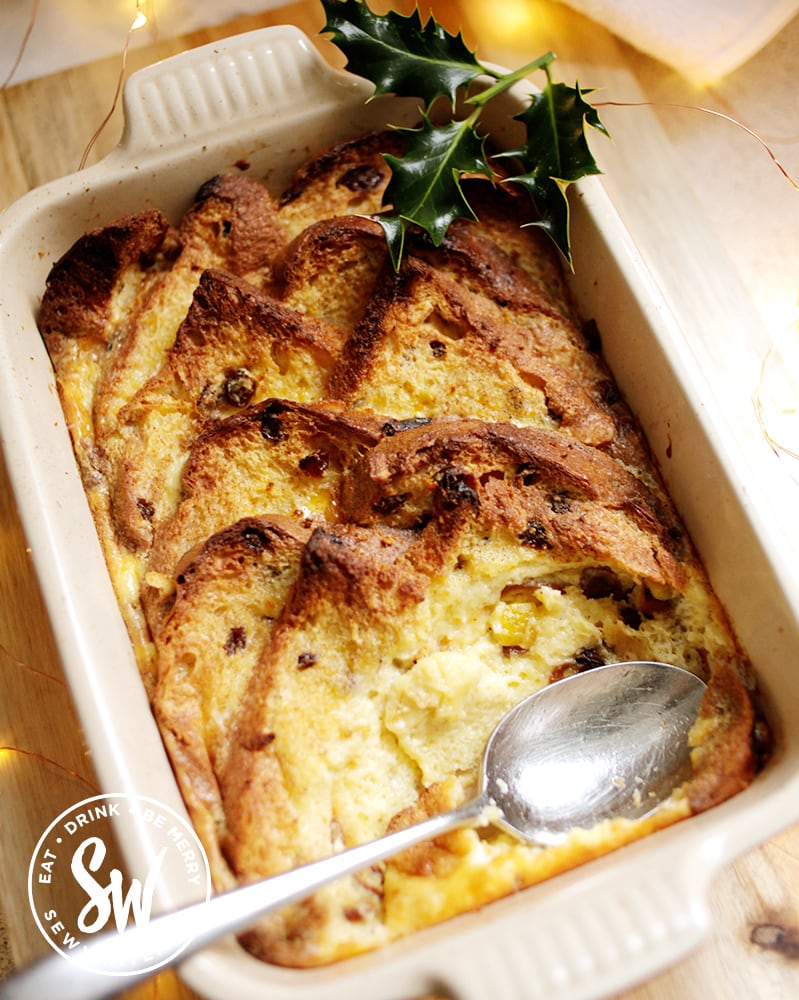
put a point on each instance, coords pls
(394, 229)
(556, 154)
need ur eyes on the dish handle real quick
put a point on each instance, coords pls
(593, 938)
(198, 97)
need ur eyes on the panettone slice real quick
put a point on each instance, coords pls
(556, 492)
(331, 270)
(505, 251)
(278, 457)
(230, 591)
(348, 178)
(427, 346)
(236, 347)
(232, 224)
(311, 767)
(84, 308)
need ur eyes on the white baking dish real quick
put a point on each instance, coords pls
(268, 99)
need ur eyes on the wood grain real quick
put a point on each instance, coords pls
(45, 125)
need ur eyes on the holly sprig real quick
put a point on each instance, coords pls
(404, 56)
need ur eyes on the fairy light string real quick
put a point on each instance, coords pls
(6, 654)
(49, 762)
(23, 44)
(759, 403)
(707, 111)
(8, 659)
(139, 20)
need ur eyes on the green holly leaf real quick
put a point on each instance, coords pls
(425, 185)
(556, 154)
(399, 54)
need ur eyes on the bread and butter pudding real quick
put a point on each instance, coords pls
(352, 516)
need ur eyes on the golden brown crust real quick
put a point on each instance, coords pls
(280, 456)
(725, 761)
(553, 492)
(234, 221)
(349, 178)
(236, 344)
(80, 286)
(430, 346)
(503, 253)
(234, 347)
(331, 269)
(247, 570)
(231, 224)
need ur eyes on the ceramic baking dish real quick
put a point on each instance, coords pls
(267, 100)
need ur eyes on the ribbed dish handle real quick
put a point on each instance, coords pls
(199, 95)
(607, 937)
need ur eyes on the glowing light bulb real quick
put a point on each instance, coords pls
(139, 20)
(514, 23)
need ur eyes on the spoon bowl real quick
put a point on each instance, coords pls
(609, 742)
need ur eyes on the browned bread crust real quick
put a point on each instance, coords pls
(234, 347)
(80, 286)
(429, 346)
(280, 456)
(331, 270)
(504, 253)
(230, 589)
(349, 178)
(552, 492)
(232, 224)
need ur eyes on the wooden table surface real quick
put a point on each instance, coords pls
(718, 197)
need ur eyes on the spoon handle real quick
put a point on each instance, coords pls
(201, 923)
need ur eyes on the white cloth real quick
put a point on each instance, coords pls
(703, 39)
(68, 33)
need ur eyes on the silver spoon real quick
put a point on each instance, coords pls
(610, 742)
